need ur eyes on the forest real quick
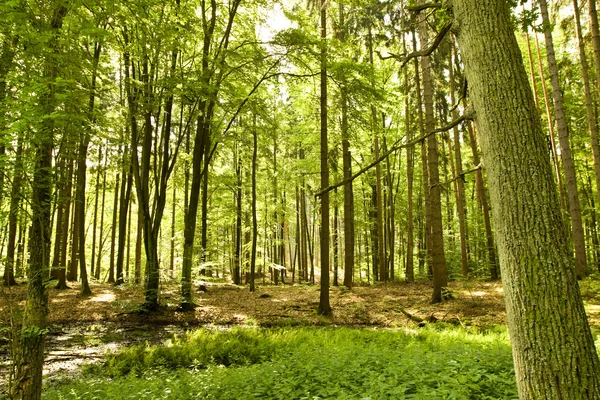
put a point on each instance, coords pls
(275, 199)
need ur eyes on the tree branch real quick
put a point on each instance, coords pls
(424, 6)
(468, 115)
(461, 175)
(421, 53)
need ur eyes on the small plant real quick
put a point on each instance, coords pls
(309, 363)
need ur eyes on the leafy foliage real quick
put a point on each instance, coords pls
(309, 363)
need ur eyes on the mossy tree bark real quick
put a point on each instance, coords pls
(553, 348)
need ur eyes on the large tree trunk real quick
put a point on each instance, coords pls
(552, 344)
(436, 250)
(581, 268)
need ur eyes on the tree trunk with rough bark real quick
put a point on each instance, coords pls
(553, 348)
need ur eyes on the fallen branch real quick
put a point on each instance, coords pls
(422, 322)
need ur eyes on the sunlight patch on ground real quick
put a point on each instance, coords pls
(594, 308)
(104, 297)
(469, 293)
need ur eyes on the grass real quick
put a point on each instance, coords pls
(437, 362)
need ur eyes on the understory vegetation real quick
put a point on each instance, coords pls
(436, 362)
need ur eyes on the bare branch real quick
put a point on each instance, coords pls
(424, 6)
(461, 175)
(421, 53)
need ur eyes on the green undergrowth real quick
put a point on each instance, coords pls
(306, 363)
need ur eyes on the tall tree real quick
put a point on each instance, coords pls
(29, 372)
(436, 248)
(324, 306)
(214, 54)
(589, 100)
(581, 268)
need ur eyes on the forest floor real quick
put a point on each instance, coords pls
(83, 329)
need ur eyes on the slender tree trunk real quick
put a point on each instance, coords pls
(76, 221)
(123, 215)
(531, 69)
(138, 247)
(111, 271)
(482, 197)
(424, 261)
(581, 268)
(238, 220)
(550, 124)
(410, 268)
(172, 244)
(589, 101)
(436, 250)
(15, 198)
(460, 184)
(101, 245)
(347, 173)
(324, 306)
(348, 195)
(19, 268)
(336, 250)
(80, 196)
(95, 222)
(254, 217)
(593, 15)
(552, 344)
